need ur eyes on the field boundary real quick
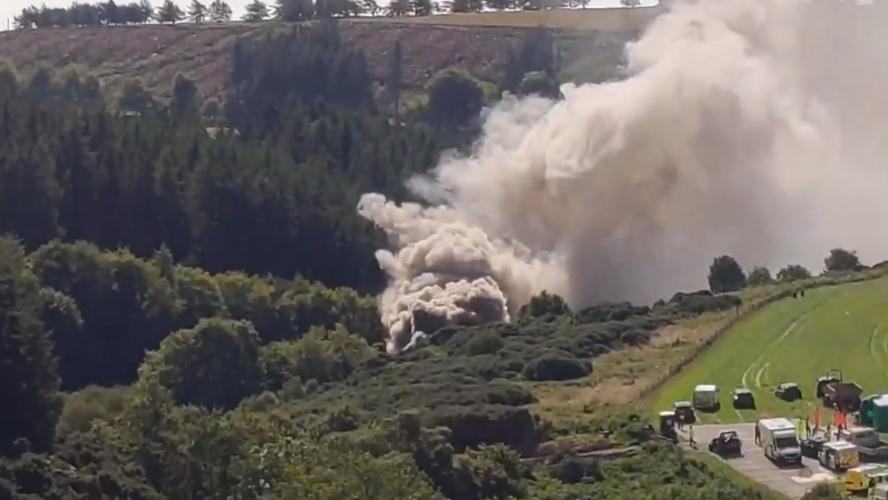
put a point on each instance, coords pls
(752, 309)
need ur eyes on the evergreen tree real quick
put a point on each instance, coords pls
(256, 11)
(396, 77)
(399, 8)
(186, 100)
(28, 381)
(294, 10)
(220, 11)
(422, 7)
(147, 10)
(134, 98)
(169, 13)
(110, 14)
(197, 12)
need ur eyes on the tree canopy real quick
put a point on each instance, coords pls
(841, 260)
(726, 275)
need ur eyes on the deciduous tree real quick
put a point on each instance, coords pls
(726, 275)
(28, 381)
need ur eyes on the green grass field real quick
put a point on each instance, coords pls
(793, 340)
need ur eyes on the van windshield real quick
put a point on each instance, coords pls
(787, 442)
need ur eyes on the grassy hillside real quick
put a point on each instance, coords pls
(794, 340)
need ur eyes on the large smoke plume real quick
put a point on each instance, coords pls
(755, 128)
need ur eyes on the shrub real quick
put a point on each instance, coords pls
(91, 403)
(759, 276)
(793, 273)
(556, 368)
(484, 343)
(544, 304)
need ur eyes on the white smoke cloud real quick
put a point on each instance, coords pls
(755, 128)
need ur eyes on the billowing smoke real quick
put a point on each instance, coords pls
(755, 128)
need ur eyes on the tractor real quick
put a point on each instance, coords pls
(836, 393)
(788, 392)
(831, 377)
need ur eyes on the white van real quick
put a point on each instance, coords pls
(706, 397)
(779, 440)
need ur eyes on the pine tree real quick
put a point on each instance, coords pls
(146, 10)
(28, 380)
(186, 100)
(197, 12)
(396, 76)
(169, 13)
(256, 11)
(422, 7)
(220, 11)
(294, 10)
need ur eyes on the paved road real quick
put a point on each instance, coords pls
(791, 481)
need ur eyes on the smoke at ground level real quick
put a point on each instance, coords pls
(756, 129)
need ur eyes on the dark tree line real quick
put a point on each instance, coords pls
(85, 14)
(110, 13)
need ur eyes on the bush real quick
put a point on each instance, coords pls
(472, 426)
(91, 403)
(759, 276)
(824, 491)
(726, 275)
(841, 260)
(540, 83)
(545, 304)
(484, 343)
(703, 301)
(455, 98)
(554, 368)
(793, 273)
(320, 355)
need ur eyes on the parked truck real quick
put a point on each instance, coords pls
(838, 455)
(869, 444)
(779, 441)
(706, 398)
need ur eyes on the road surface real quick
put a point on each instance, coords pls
(791, 481)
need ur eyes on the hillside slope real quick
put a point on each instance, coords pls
(794, 340)
(157, 53)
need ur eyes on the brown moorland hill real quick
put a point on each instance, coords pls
(478, 43)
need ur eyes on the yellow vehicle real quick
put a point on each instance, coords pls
(861, 478)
